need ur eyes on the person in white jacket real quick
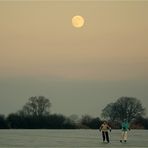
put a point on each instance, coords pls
(104, 129)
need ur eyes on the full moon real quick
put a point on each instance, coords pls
(78, 21)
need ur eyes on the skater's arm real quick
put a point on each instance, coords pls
(100, 128)
(129, 128)
(110, 129)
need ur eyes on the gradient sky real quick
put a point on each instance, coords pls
(79, 70)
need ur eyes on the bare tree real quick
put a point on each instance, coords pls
(36, 106)
(124, 108)
(107, 112)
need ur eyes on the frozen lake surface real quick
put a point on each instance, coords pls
(70, 139)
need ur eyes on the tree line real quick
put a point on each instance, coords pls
(35, 114)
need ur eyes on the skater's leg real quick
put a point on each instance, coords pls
(103, 136)
(107, 136)
(125, 136)
(122, 136)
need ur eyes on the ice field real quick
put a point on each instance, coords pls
(70, 139)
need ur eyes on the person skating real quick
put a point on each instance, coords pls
(104, 129)
(124, 128)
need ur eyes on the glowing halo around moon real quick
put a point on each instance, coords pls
(78, 21)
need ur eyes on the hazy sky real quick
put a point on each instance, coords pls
(79, 70)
